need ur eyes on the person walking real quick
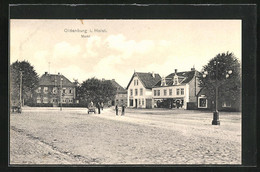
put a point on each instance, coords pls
(116, 108)
(98, 106)
(123, 110)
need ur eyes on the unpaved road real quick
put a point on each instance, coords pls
(71, 136)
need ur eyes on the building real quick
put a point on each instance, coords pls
(121, 94)
(178, 89)
(224, 103)
(54, 88)
(139, 89)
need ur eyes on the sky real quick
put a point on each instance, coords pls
(114, 49)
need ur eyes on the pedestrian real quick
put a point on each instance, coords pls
(102, 105)
(123, 110)
(116, 109)
(98, 106)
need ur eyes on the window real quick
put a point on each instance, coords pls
(182, 91)
(154, 92)
(139, 101)
(131, 92)
(141, 91)
(142, 101)
(170, 92)
(70, 91)
(64, 90)
(136, 82)
(45, 89)
(136, 92)
(178, 91)
(39, 90)
(226, 104)
(54, 90)
(45, 100)
(165, 92)
(39, 100)
(158, 92)
(203, 102)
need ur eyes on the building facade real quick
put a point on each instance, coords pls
(177, 90)
(224, 103)
(139, 89)
(54, 89)
(121, 94)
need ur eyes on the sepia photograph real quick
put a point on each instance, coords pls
(97, 92)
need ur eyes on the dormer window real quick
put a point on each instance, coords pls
(163, 81)
(175, 80)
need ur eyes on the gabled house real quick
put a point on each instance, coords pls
(53, 89)
(121, 94)
(178, 89)
(139, 89)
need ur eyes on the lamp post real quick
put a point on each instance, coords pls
(61, 79)
(218, 83)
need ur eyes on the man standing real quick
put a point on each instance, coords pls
(98, 106)
(123, 110)
(116, 110)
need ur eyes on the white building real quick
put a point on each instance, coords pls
(139, 89)
(178, 89)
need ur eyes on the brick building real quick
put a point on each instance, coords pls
(53, 88)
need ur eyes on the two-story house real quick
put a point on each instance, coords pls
(53, 89)
(121, 94)
(139, 89)
(178, 89)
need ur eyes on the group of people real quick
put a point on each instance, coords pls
(100, 106)
(123, 110)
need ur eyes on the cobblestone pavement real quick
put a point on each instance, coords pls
(71, 136)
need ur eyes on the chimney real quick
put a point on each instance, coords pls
(46, 73)
(58, 73)
(113, 79)
(153, 74)
(103, 79)
(175, 70)
(192, 69)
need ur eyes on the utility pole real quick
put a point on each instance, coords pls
(61, 93)
(21, 77)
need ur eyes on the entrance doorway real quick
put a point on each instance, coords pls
(135, 103)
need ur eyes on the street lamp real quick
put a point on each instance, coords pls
(61, 79)
(218, 83)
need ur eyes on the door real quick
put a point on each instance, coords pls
(148, 103)
(135, 103)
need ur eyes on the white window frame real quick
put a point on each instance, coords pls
(202, 97)
(154, 92)
(141, 91)
(170, 92)
(165, 92)
(131, 92)
(182, 91)
(177, 91)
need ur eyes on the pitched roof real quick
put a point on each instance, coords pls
(120, 89)
(184, 77)
(147, 79)
(52, 80)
